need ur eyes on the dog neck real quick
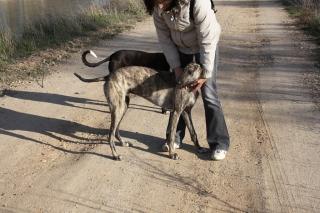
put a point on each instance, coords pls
(185, 85)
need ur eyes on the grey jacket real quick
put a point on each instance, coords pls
(177, 32)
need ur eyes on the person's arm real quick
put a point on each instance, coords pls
(208, 32)
(168, 47)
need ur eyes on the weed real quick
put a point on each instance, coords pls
(308, 14)
(53, 32)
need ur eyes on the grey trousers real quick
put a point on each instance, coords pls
(217, 131)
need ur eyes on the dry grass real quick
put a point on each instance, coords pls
(52, 39)
(308, 14)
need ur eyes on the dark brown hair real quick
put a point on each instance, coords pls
(150, 4)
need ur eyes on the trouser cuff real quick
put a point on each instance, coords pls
(224, 145)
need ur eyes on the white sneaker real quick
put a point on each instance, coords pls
(218, 154)
(165, 147)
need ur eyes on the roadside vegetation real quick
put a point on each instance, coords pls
(308, 14)
(52, 39)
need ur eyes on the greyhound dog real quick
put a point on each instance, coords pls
(123, 58)
(151, 85)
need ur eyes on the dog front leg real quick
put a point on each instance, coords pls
(173, 122)
(168, 128)
(188, 120)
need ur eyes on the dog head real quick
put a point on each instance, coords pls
(192, 72)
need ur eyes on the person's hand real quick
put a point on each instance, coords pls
(178, 72)
(198, 84)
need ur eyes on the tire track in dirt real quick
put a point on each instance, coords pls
(279, 76)
(264, 135)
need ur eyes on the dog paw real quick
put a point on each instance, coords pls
(164, 111)
(126, 144)
(174, 156)
(117, 158)
(201, 150)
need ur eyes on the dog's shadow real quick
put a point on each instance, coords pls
(55, 99)
(156, 148)
(64, 130)
(13, 122)
(154, 145)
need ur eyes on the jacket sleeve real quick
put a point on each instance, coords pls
(208, 33)
(168, 47)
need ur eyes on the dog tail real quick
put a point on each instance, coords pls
(89, 80)
(89, 64)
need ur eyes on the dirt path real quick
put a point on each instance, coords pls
(53, 159)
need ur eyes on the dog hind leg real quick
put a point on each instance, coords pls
(116, 116)
(123, 143)
(117, 107)
(112, 136)
(113, 66)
